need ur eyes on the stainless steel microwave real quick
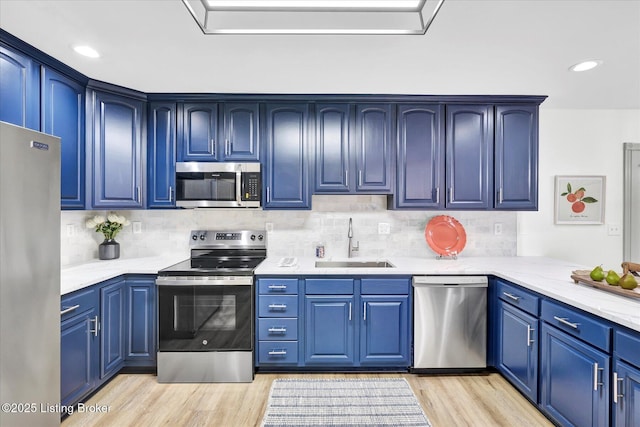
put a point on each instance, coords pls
(218, 185)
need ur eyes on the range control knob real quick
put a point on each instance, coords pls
(260, 237)
(194, 237)
(253, 237)
(202, 237)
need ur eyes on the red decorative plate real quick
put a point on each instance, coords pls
(445, 235)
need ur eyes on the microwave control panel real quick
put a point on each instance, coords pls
(251, 187)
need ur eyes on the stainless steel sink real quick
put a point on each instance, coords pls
(354, 264)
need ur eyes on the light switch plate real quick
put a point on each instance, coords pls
(137, 227)
(497, 229)
(384, 228)
(614, 229)
(268, 226)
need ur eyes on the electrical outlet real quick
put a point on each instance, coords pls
(137, 227)
(71, 230)
(384, 228)
(268, 226)
(497, 229)
(613, 229)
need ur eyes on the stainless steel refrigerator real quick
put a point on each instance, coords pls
(631, 202)
(29, 277)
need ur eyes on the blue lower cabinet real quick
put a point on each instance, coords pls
(79, 345)
(112, 301)
(384, 330)
(329, 330)
(574, 384)
(141, 322)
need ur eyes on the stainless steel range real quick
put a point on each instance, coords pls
(206, 309)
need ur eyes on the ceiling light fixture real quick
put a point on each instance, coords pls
(87, 51)
(586, 65)
(314, 16)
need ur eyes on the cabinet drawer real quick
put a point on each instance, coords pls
(278, 306)
(579, 325)
(627, 347)
(385, 286)
(518, 297)
(280, 352)
(329, 286)
(277, 329)
(278, 286)
(77, 302)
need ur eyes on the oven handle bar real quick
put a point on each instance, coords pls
(204, 281)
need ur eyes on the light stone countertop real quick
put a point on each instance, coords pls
(546, 276)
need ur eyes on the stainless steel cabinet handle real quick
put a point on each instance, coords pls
(595, 376)
(268, 195)
(138, 198)
(96, 328)
(227, 148)
(437, 195)
(565, 321)
(360, 178)
(277, 306)
(617, 395)
(69, 309)
(170, 194)
(500, 195)
(277, 287)
(346, 177)
(513, 297)
(277, 352)
(364, 310)
(278, 330)
(349, 311)
(212, 146)
(529, 340)
(450, 194)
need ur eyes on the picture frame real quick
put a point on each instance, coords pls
(579, 199)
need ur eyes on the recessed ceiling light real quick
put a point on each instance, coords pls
(586, 65)
(87, 51)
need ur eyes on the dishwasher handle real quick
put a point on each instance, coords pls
(450, 281)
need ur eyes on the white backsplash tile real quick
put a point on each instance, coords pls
(295, 233)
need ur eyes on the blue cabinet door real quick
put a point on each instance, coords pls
(517, 349)
(241, 137)
(375, 154)
(574, 380)
(420, 164)
(333, 172)
(286, 157)
(469, 156)
(117, 151)
(78, 356)
(199, 131)
(516, 157)
(384, 330)
(626, 394)
(329, 330)
(141, 321)
(112, 302)
(20, 89)
(63, 116)
(161, 155)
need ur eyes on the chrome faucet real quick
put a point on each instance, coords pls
(352, 248)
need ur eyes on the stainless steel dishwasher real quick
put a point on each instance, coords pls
(450, 322)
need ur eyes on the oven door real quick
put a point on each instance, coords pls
(195, 315)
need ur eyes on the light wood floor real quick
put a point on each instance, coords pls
(448, 401)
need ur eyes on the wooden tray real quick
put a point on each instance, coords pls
(583, 277)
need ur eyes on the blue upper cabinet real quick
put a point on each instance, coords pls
(286, 171)
(420, 162)
(20, 89)
(117, 152)
(63, 116)
(469, 156)
(332, 149)
(375, 155)
(241, 132)
(198, 136)
(516, 157)
(161, 155)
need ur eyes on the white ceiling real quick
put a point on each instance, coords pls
(518, 47)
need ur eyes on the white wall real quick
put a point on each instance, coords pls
(579, 142)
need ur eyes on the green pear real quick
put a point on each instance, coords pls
(628, 282)
(597, 274)
(612, 278)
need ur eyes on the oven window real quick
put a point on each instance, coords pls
(205, 318)
(206, 186)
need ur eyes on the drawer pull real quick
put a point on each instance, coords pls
(277, 287)
(616, 388)
(529, 340)
(565, 321)
(69, 309)
(278, 330)
(595, 377)
(281, 307)
(513, 297)
(282, 352)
